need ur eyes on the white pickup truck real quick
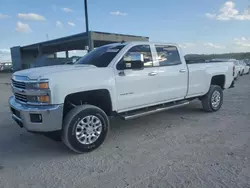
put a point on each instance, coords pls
(122, 79)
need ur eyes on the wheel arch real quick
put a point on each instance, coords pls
(99, 97)
(218, 80)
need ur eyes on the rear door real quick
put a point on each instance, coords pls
(172, 75)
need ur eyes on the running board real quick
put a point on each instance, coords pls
(159, 108)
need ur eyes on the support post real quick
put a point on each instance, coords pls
(67, 53)
(90, 42)
(40, 52)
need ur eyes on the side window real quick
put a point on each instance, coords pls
(143, 49)
(167, 55)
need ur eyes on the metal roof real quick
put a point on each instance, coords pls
(79, 41)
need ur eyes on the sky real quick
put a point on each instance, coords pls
(198, 26)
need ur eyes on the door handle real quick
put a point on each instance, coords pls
(182, 70)
(152, 73)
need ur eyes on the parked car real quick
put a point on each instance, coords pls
(237, 69)
(5, 67)
(245, 68)
(242, 67)
(127, 80)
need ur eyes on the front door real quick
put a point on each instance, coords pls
(137, 88)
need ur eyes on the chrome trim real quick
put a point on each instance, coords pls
(182, 71)
(160, 109)
(20, 78)
(20, 97)
(33, 103)
(52, 116)
(216, 99)
(88, 129)
(15, 117)
(152, 73)
(18, 84)
(30, 92)
(26, 79)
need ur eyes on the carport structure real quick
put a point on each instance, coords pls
(23, 57)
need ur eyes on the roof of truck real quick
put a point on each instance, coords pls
(142, 42)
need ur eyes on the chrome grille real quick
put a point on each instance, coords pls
(20, 85)
(20, 97)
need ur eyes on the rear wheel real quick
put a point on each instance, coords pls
(213, 100)
(85, 128)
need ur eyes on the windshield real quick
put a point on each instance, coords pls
(101, 57)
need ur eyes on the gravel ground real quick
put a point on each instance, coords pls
(5, 78)
(184, 147)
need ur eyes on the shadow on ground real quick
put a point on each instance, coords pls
(37, 146)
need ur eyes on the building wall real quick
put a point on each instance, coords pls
(16, 57)
(28, 58)
(46, 61)
(25, 59)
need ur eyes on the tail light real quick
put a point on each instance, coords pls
(233, 70)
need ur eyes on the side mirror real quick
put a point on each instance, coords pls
(133, 60)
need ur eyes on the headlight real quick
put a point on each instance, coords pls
(39, 99)
(44, 99)
(43, 85)
(40, 85)
(39, 92)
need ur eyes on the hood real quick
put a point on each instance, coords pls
(42, 72)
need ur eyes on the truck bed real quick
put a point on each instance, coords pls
(200, 75)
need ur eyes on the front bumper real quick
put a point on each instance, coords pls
(51, 116)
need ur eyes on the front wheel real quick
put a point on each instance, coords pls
(213, 100)
(85, 128)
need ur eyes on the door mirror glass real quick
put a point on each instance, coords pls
(137, 57)
(133, 60)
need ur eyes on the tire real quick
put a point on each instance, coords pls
(209, 97)
(75, 120)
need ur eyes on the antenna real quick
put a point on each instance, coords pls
(47, 36)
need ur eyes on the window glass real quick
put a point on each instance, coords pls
(167, 55)
(101, 57)
(143, 49)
